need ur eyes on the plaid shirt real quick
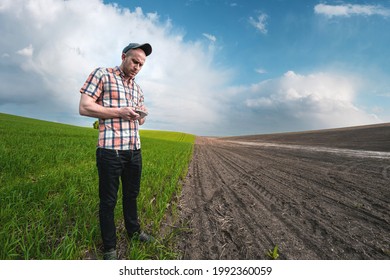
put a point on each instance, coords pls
(110, 88)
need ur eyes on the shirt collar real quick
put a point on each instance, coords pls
(119, 72)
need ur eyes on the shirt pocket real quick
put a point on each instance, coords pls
(115, 96)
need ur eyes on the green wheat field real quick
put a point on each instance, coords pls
(49, 191)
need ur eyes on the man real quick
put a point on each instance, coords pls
(112, 95)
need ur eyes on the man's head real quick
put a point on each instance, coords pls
(147, 48)
(133, 58)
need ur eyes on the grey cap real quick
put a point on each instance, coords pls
(147, 48)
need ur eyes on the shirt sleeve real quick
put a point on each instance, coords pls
(140, 96)
(141, 100)
(93, 86)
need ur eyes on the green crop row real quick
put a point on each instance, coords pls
(49, 196)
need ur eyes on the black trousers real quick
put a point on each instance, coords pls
(114, 165)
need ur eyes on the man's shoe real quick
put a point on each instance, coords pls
(110, 255)
(142, 236)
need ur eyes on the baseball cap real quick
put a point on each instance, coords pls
(147, 48)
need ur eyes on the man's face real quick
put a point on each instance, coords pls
(132, 62)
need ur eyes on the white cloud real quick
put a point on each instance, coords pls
(48, 48)
(260, 71)
(299, 102)
(27, 52)
(66, 39)
(212, 38)
(260, 23)
(347, 10)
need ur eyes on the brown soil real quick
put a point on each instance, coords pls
(243, 197)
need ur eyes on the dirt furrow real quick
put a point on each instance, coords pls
(279, 210)
(240, 201)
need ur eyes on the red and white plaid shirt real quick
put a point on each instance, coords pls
(110, 88)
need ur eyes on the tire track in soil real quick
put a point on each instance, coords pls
(240, 201)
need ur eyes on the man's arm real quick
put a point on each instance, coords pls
(88, 107)
(141, 121)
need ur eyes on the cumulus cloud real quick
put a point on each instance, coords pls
(347, 10)
(28, 51)
(294, 101)
(260, 22)
(50, 46)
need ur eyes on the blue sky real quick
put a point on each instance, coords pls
(218, 67)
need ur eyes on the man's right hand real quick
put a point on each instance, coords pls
(128, 113)
(89, 107)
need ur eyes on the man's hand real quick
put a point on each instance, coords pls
(128, 113)
(141, 121)
(142, 108)
(88, 107)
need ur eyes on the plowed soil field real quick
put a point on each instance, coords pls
(310, 197)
